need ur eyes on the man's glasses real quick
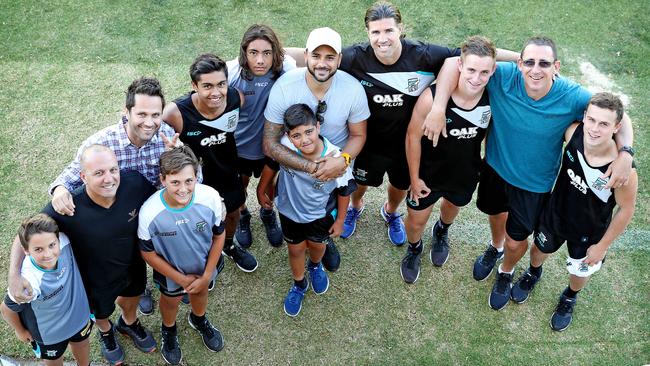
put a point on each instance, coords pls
(320, 109)
(542, 63)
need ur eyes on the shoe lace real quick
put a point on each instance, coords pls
(527, 281)
(206, 328)
(564, 306)
(108, 339)
(411, 259)
(503, 281)
(351, 216)
(442, 241)
(295, 295)
(170, 340)
(490, 255)
(139, 329)
(394, 221)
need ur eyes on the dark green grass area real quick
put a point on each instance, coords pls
(64, 67)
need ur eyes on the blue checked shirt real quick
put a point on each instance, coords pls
(143, 159)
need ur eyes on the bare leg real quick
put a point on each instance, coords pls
(514, 251)
(316, 251)
(297, 259)
(537, 257)
(448, 211)
(81, 352)
(395, 197)
(169, 309)
(199, 302)
(129, 305)
(577, 283)
(498, 229)
(356, 199)
(416, 220)
(232, 218)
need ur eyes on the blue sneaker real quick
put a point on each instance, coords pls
(350, 223)
(318, 278)
(396, 230)
(293, 301)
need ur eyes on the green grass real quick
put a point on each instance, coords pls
(64, 66)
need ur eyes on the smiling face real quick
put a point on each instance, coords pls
(44, 249)
(538, 67)
(211, 89)
(322, 63)
(384, 36)
(475, 72)
(259, 57)
(305, 138)
(101, 174)
(144, 119)
(599, 125)
(179, 187)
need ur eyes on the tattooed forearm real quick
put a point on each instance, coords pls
(273, 148)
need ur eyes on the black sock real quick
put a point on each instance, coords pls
(171, 329)
(244, 212)
(568, 292)
(197, 319)
(266, 212)
(301, 284)
(442, 225)
(416, 244)
(312, 265)
(228, 244)
(535, 271)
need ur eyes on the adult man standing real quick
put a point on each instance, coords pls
(532, 106)
(341, 108)
(103, 235)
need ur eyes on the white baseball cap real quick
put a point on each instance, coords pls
(324, 36)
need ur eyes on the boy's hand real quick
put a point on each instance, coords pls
(24, 335)
(187, 281)
(20, 289)
(199, 285)
(595, 254)
(264, 200)
(419, 190)
(337, 228)
(170, 144)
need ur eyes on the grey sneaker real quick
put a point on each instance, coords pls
(142, 338)
(212, 338)
(110, 347)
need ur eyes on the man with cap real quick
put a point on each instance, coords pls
(340, 105)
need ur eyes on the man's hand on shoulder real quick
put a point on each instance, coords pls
(62, 201)
(20, 289)
(619, 171)
(434, 125)
(330, 167)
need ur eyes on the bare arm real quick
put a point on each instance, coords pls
(266, 179)
(356, 139)
(619, 171)
(19, 287)
(625, 199)
(274, 149)
(334, 167)
(173, 117)
(12, 318)
(298, 54)
(201, 284)
(506, 55)
(446, 82)
(342, 203)
(413, 146)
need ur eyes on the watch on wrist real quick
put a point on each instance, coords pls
(627, 149)
(347, 158)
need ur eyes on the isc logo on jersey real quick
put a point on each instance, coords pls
(214, 140)
(464, 133)
(388, 100)
(577, 181)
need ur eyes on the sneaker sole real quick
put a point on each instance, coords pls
(403, 279)
(381, 212)
(559, 330)
(238, 266)
(324, 291)
(223, 342)
(144, 350)
(355, 223)
(169, 363)
(143, 313)
(501, 308)
(292, 315)
(431, 252)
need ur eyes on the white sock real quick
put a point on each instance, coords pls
(501, 271)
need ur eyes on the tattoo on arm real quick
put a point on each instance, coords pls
(273, 148)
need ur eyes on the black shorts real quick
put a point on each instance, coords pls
(233, 199)
(102, 301)
(496, 196)
(369, 169)
(317, 231)
(549, 241)
(55, 351)
(458, 199)
(251, 168)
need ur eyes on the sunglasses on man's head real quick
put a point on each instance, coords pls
(320, 109)
(542, 63)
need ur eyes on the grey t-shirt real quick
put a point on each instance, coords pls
(59, 308)
(345, 98)
(250, 127)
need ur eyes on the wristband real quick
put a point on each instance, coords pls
(627, 149)
(347, 158)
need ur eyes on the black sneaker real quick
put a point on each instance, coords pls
(273, 229)
(500, 294)
(484, 264)
(410, 268)
(110, 347)
(145, 305)
(332, 258)
(523, 287)
(211, 336)
(243, 231)
(242, 258)
(142, 338)
(170, 349)
(563, 314)
(439, 246)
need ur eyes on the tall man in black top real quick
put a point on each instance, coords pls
(206, 119)
(103, 235)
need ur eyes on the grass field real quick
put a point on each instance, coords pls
(64, 66)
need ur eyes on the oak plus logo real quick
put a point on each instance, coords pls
(388, 100)
(214, 140)
(464, 133)
(577, 181)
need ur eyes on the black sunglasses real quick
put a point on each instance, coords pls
(320, 109)
(542, 63)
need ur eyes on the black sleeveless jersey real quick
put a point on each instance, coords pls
(213, 141)
(392, 90)
(580, 208)
(453, 165)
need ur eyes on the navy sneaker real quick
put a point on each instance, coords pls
(142, 338)
(332, 258)
(110, 347)
(410, 268)
(439, 246)
(396, 230)
(212, 338)
(350, 223)
(484, 264)
(243, 232)
(523, 287)
(170, 349)
(242, 258)
(293, 301)
(563, 314)
(186, 299)
(145, 305)
(272, 227)
(319, 280)
(501, 289)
